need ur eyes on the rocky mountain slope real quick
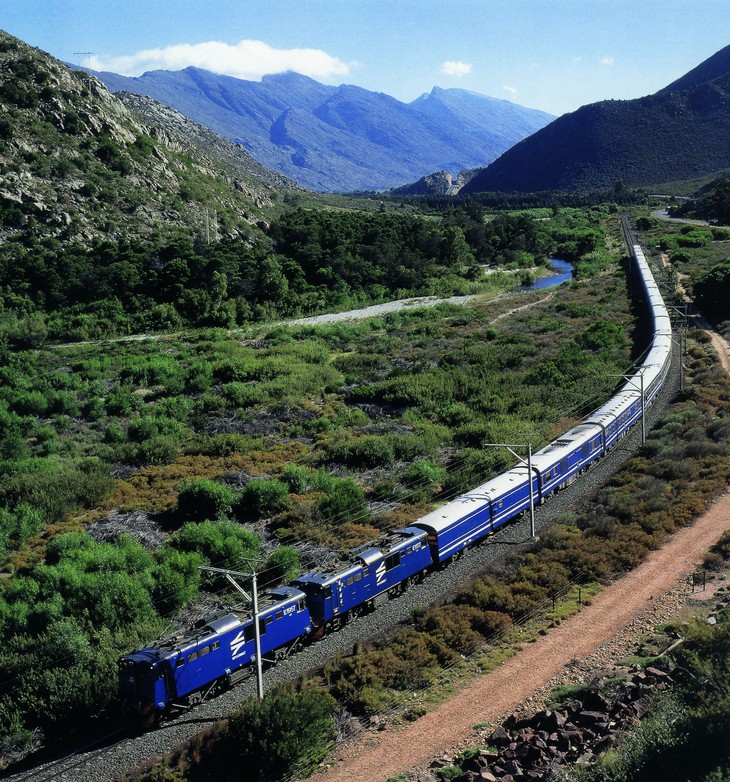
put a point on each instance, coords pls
(341, 139)
(680, 132)
(77, 162)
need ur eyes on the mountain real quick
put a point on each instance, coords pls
(440, 183)
(681, 132)
(77, 162)
(341, 139)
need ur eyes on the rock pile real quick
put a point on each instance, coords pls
(529, 748)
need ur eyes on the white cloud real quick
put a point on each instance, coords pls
(452, 68)
(607, 60)
(509, 88)
(246, 60)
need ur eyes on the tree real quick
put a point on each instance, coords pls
(712, 292)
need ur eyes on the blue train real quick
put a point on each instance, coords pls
(184, 669)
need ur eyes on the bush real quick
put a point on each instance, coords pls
(425, 473)
(284, 564)
(263, 497)
(204, 499)
(366, 451)
(223, 544)
(286, 734)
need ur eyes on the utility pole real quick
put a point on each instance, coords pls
(640, 388)
(253, 598)
(509, 447)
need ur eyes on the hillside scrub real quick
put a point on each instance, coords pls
(685, 734)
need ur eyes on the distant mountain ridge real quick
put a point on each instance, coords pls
(346, 138)
(681, 132)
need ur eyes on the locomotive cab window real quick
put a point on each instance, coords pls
(392, 561)
(300, 604)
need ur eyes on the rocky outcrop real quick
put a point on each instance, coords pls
(529, 748)
(77, 163)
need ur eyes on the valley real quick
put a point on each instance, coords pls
(265, 345)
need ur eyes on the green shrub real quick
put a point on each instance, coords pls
(287, 734)
(366, 451)
(262, 497)
(285, 564)
(425, 473)
(203, 498)
(221, 544)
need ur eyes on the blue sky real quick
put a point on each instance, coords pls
(554, 55)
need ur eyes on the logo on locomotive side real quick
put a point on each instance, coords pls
(380, 574)
(237, 645)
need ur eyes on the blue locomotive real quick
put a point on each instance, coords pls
(185, 668)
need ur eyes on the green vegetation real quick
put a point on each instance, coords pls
(310, 261)
(301, 429)
(699, 256)
(288, 733)
(327, 434)
(713, 204)
(685, 734)
(684, 464)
